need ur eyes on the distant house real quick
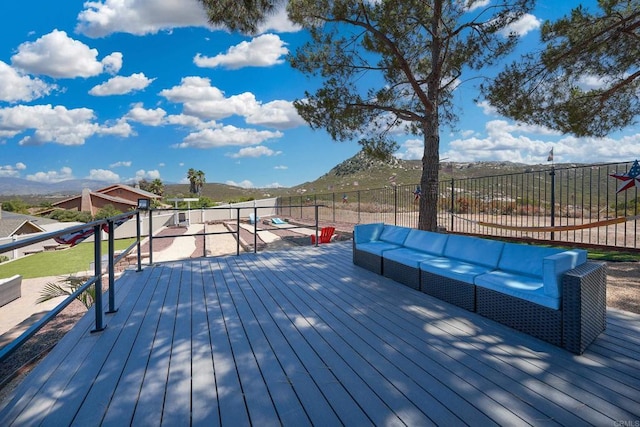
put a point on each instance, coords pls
(16, 224)
(121, 197)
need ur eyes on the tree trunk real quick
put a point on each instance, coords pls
(428, 217)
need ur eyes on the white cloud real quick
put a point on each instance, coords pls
(207, 102)
(226, 136)
(258, 151)
(504, 141)
(148, 175)
(125, 164)
(57, 55)
(120, 128)
(103, 175)
(273, 185)
(112, 63)
(243, 184)
(279, 22)
(263, 51)
(12, 171)
(281, 167)
(522, 26)
(101, 18)
(478, 4)
(276, 114)
(56, 124)
(18, 87)
(487, 108)
(412, 149)
(121, 85)
(147, 117)
(202, 100)
(63, 174)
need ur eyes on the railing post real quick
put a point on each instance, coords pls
(150, 237)
(139, 235)
(358, 206)
(395, 205)
(238, 231)
(317, 235)
(453, 190)
(333, 196)
(255, 229)
(553, 200)
(97, 254)
(112, 288)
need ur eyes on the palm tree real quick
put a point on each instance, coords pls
(156, 187)
(67, 286)
(200, 180)
(196, 180)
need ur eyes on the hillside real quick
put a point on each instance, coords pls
(357, 173)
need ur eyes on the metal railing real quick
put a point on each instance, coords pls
(562, 204)
(113, 260)
(95, 280)
(254, 219)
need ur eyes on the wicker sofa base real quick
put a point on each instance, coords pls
(577, 324)
(401, 273)
(584, 304)
(367, 260)
(530, 318)
(450, 290)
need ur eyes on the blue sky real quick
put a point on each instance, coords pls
(121, 90)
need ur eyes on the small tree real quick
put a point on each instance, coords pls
(107, 211)
(67, 286)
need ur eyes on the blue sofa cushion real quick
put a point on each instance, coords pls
(376, 247)
(363, 233)
(394, 234)
(454, 269)
(524, 259)
(474, 250)
(407, 256)
(426, 241)
(555, 266)
(520, 286)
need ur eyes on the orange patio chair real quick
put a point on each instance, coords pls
(325, 235)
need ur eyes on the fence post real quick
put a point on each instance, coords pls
(453, 190)
(150, 237)
(395, 205)
(317, 236)
(358, 206)
(139, 236)
(97, 254)
(553, 199)
(255, 229)
(238, 231)
(333, 196)
(112, 289)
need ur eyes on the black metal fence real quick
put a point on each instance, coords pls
(572, 204)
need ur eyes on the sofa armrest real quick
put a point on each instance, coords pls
(10, 289)
(554, 266)
(363, 233)
(584, 305)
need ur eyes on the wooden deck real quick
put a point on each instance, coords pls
(304, 337)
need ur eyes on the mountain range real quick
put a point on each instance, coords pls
(357, 172)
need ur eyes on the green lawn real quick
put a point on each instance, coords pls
(57, 263)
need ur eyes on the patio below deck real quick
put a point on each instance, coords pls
(304, 337)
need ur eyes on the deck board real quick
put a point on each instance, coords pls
(305, 337)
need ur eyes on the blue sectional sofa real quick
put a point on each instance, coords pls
(553, 294)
